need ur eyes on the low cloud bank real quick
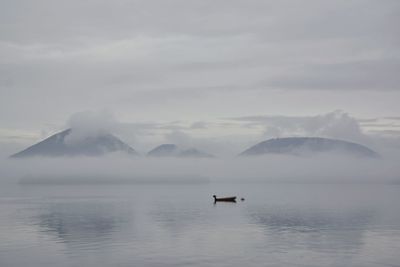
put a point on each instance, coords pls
(120, 169)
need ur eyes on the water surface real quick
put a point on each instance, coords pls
(179, 225)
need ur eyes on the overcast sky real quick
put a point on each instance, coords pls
(207, 69)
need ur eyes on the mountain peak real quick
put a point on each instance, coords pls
(164, 150)
(56, 145)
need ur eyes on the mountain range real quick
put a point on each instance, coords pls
(101, 144)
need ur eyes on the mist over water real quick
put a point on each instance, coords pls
(332, 168)
(119, 210)
(306, 208)
(323, 210)
(179, 225)
(318, 209)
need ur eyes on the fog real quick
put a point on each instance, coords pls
(122, 169)
(282, 104)
(117, 167)
(120, 207)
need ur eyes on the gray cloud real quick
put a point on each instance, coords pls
(102, 18)
(153, 62)
(114, 169)
(221, 137)
(337, 124)
(379, 74)
(199, 125)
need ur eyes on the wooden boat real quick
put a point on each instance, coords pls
(224, 199)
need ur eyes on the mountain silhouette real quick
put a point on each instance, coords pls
(56, 145)
(307, 146)
(172, 150)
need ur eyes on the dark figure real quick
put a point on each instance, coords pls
(224, 199)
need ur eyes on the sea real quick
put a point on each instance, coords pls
(178, 224)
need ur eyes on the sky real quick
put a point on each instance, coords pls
(202, 73)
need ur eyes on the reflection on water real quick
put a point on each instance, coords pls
(154, 225)
(179, 217)
(333, 231)
(74, 221)
(307, 220)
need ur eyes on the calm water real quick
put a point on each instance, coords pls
(178, 225)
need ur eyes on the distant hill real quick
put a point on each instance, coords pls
(164, 150)
(194, 153)
(308, 146)
(55, 146)
(172, 150)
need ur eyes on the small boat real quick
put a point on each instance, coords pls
(224, 199)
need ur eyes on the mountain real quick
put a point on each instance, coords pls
(172, 150)
(308, 145)
(165, 150)
(194, 153)
(56, 146)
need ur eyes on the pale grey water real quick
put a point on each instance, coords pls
(178, 225)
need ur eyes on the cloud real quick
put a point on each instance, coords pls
(245, 57)
(199, 125)
(90, 124)
(179, 138)
(117, 169)
(336, 124)
(221, 137)
(312, 19)
(331, 168)
(224, 146)
(377, 74)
